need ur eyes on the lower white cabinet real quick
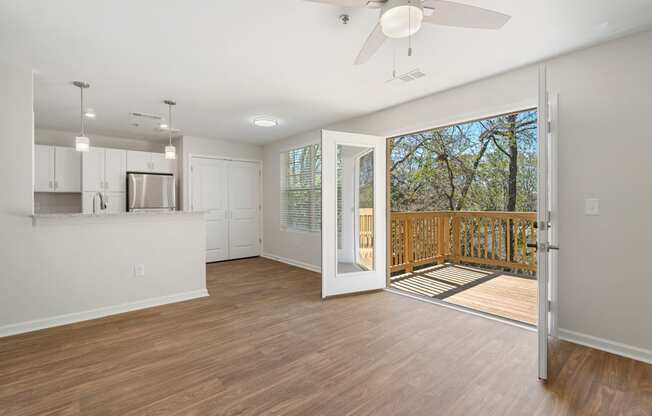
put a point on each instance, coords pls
(56, 169)
(229, 193)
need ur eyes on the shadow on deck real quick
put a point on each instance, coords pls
(489, 291)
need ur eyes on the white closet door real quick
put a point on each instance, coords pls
(115, 168)
(244, 180)
(209, 194)
(93, 170)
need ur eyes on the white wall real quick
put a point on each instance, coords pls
(67, 138)
(199, 146)
(57, 272)
(604, 151)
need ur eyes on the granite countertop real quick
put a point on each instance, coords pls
(76, 217)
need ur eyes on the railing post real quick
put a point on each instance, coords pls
(408, 245)
(442, 238)
(456, 238)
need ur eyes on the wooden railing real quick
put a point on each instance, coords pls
(500, 239)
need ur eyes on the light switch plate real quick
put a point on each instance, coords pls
(139, 270)
(592, 206)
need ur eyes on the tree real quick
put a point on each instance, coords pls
(481, 165)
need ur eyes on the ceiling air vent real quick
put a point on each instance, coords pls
(409, 76)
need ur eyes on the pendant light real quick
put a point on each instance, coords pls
(82, 143)
(170, 151)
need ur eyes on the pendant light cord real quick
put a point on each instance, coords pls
(82, 118)
(170, 125)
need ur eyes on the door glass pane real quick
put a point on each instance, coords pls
(355, 209)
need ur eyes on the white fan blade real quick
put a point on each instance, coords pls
(343, 3)
(448, 13)
(373, 43)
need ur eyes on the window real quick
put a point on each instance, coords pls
(301, 189)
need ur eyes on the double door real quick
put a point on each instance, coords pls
(228, 191)
(56, 169)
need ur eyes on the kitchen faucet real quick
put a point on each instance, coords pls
(103, 202)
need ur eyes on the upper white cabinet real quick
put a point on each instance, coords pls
(43, 168)
(56, 169)
(149, 162)
(104, 170)
(115, 170)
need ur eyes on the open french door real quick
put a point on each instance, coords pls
(354, 257)
(547, 217)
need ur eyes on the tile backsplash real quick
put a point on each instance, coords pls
(57, 203)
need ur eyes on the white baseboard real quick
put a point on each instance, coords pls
(70, 318)
(613, 347)
(291, 262)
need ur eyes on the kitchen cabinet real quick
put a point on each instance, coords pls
(43, 168)
(149, 162)
(56, 169)
(104, 170)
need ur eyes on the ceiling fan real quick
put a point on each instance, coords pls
(403, 18)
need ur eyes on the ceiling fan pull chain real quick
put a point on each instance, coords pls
(410, 29)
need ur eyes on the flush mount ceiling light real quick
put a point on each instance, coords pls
(401, 18)
(82, 143)
(170, 151)
(265, 122)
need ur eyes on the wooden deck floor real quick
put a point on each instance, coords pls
(504, 295)
(264, 343)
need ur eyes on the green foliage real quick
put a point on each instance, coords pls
(485, 165)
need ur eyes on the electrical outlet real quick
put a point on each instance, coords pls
(139, 270)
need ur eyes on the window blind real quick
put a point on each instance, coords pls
(301, 189)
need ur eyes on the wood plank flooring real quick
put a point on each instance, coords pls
(265, 343)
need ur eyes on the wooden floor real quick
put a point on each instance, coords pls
(264, 343)
(504, 295)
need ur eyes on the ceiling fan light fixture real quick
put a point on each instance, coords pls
(401, 18)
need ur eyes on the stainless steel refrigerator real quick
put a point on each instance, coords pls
(151, 192)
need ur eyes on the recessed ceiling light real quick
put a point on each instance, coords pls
(90, 113)
(265, 122)
(163, 126)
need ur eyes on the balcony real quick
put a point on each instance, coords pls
(480, 260)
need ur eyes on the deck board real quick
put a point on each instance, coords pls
(508, 296)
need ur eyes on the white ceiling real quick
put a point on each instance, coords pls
(227, 61)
